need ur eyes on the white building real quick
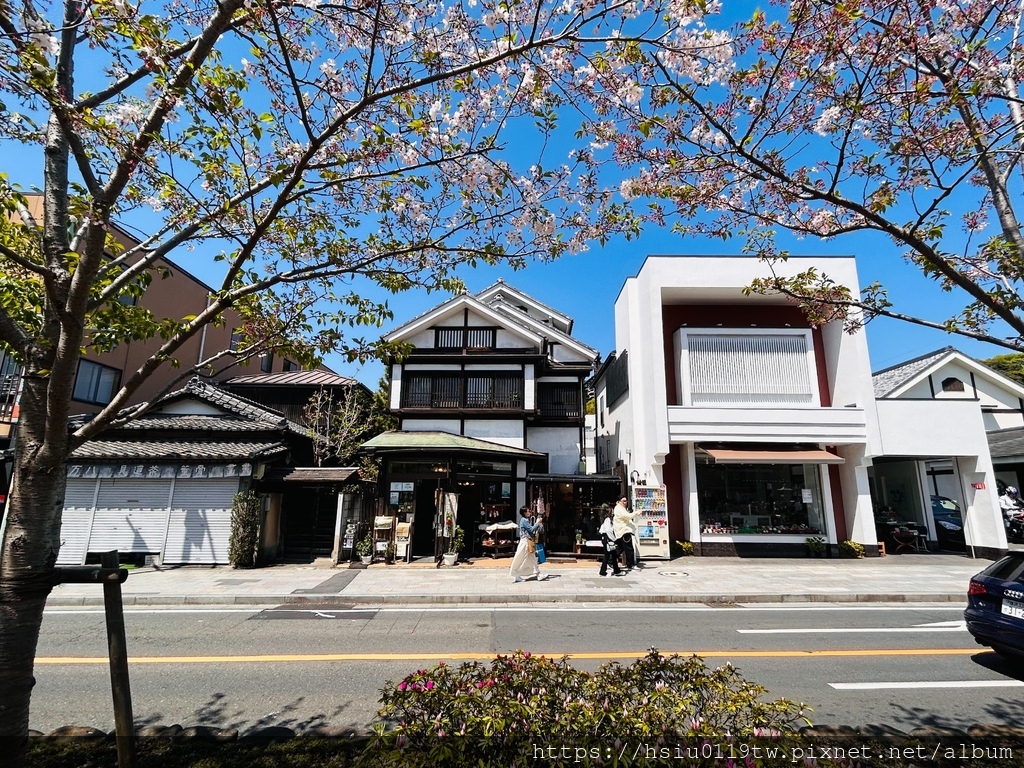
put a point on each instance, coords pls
(765, 430)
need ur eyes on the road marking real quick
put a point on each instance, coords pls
(850, 630)
(530, 608)
(929, 684)
(475, 656)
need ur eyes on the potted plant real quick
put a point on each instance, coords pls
(389, 552)
(454, 546)
(364, 548)
(815, 546)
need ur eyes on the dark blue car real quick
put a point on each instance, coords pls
(995, 606)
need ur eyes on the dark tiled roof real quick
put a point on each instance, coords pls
(321, 377)
(501, 285)
(198, 423)
(176, 450)
(888, 379)
(1003, 443)
(236, 404)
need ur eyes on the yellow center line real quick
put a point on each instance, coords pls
(471, 656)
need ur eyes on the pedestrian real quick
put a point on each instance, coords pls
(625, 531)
(538, 540)
(524, 563)
(611, 549)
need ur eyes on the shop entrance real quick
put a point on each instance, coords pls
(423, 524)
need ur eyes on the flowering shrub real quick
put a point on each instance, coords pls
(851, 549)
(518, 709)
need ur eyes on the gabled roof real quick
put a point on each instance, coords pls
(211, 394)
(442, 442)
(892, 382)
(453, 305)
(503, 289)
(553, 334)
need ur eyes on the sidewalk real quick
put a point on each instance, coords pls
(903, 578)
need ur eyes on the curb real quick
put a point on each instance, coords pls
(499, 598)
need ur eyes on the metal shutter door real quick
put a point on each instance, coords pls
(131, 516)
(75, 521)
(200, 521)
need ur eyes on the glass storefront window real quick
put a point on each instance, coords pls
(760, 498)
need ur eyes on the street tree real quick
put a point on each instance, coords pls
(897, 120)
(304, 152)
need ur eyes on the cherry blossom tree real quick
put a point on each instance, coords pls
(307, 150)
(897, 120)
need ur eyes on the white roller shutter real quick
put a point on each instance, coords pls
(200, 522)
(76, 520)
(131, 515)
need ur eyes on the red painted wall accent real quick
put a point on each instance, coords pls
(675, 492)
(838, 510)
(736, 316)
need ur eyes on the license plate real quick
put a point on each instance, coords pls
(1012, 608)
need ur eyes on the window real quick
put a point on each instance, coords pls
(267, 362)
(756, 368)
(288, 365)
(95, 383)
(463, 338)
(462, 391)
(600, 409)
(236, 340)
(559, 400)
(760, 498)
(952, 384)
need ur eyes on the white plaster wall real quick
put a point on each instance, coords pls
(395, 394)
(502, 431)
(450, 426)
(562, 353)
(191, 407)
(638, 330)
(995, 421)
(420, 367)
(561, 444)
(848, 367)
(529, 388)
(931, 428)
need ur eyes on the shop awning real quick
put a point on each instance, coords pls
(748, 456)
(313, 474)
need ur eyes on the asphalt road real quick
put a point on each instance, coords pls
(898, 665)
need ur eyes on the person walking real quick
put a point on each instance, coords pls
(524, 563)
(611, 549)
(625, 531)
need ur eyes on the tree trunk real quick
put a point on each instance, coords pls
(29, 551)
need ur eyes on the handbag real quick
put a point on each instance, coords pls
(541, 555)
(531, 546)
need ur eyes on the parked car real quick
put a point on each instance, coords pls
(949, 523)
(995, 606)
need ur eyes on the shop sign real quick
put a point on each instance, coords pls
(158, 471)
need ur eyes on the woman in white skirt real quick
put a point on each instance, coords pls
(524, 563)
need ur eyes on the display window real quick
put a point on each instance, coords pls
(760, 498)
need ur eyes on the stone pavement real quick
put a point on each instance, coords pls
(902, 578)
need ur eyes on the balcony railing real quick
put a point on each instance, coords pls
(559, 402)
(465, 338)
(10, 389)
(469, 392)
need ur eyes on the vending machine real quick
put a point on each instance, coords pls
(651, 520)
